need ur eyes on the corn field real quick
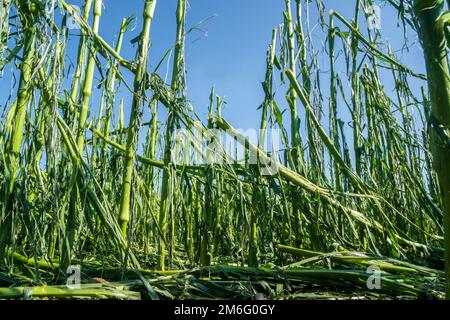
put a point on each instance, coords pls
(361, 178)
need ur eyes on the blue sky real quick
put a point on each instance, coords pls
(228, 53)
(230, 50)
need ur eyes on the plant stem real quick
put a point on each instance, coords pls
(177, 83)
(81, 54)
(432, 34)
(135, 116)
(80, 136)
(295, 128)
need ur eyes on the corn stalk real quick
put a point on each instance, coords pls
(434, 27)
(135, 117)
(177, 84)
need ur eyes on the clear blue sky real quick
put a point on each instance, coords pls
(230, 52)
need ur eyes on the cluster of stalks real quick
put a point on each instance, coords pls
(80, 185)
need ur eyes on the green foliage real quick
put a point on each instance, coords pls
(91, 189)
